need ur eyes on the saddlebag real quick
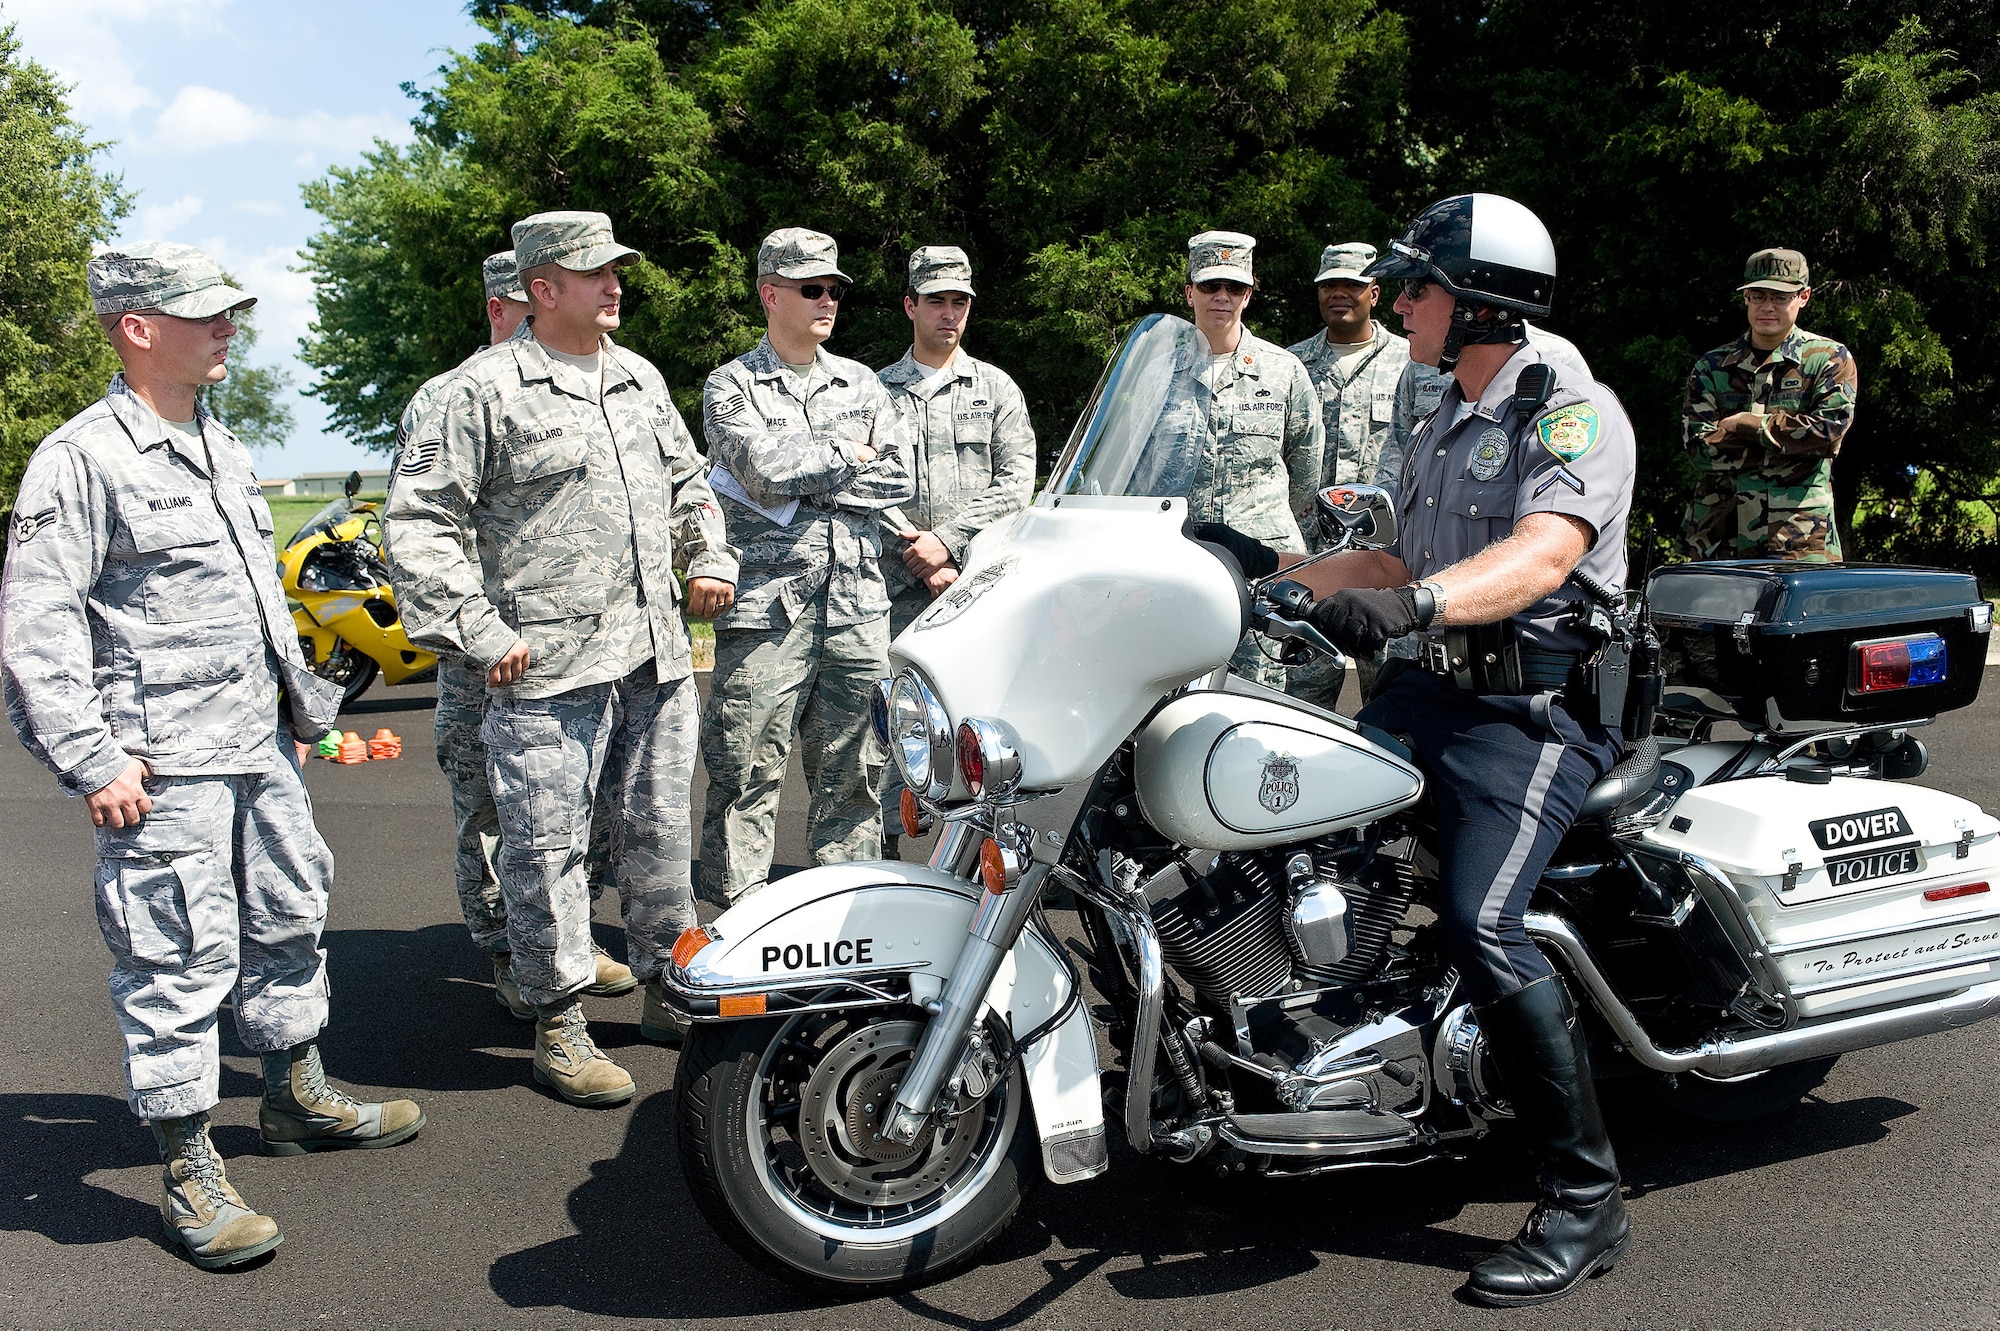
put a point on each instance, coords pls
(1863, 892)
(1780, 646)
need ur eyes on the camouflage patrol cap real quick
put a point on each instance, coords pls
(1784, 270)
(940, 268)
(502, 277)
(577, 241)
(161, 275)
(797, 253)
(1343, 263)
(1223, 254)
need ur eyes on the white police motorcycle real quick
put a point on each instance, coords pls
(885, 1057)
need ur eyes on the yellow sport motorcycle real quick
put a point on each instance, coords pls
(342, 603)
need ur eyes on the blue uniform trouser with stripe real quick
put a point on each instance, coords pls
(1507, 775)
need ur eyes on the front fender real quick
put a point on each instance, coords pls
(880, 933)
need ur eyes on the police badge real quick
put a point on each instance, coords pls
(1489, 454)
(1280, 790)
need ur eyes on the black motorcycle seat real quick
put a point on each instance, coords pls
(1631, 779)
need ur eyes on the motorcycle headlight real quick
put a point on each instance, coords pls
(920, 736)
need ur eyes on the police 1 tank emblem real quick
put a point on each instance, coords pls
(1280, 790)
(1489, 454)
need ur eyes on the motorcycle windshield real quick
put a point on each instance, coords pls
(1127, 442)
(325, 520)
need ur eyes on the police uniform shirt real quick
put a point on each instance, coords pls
(1470, 476)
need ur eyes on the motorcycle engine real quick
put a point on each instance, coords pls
(1229, 932)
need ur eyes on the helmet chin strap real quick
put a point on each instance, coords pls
(1478, 325)
(1454, 342)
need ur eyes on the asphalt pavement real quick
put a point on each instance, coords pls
(1872, 1205)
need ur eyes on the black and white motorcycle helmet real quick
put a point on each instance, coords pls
(1482, 248)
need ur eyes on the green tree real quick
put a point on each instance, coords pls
(887, 123)
(56, 206)
(1662, 147)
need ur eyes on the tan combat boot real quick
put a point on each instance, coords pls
(658, 1020)
(199, 1208)
(613, 977)
(302, 1113)
(506, 992)
(568, 1061)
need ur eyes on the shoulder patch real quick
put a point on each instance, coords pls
(28, 525)
(416, 461)
(1569, 432)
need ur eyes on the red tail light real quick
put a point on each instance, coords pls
(1961, 890)
(1897, 663)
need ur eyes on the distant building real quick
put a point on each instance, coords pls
(374, 481)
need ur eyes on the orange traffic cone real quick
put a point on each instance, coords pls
(386, 744)
(352, 749)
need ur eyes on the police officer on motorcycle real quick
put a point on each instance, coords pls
(1513, 503)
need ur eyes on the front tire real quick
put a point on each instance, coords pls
(774, 1122)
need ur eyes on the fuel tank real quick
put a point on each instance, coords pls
(1223, 771)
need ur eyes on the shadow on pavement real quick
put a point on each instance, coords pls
(380, 977)
(381, 699)
(1191, 1234)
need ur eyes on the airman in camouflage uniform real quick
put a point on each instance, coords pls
(1356, 365)
(1247, 418)
(564, 453)
(145, 643)
(461, 710)
(1764, 417)
(808, 451)
(973, 452)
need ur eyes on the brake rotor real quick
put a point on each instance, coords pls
(845, 1102)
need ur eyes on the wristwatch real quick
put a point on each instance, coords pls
(1436, 590)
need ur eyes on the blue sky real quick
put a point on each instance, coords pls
(220, 110)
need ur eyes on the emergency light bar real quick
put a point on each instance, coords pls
(1885, 664)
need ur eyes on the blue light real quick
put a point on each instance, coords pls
(1927, 660)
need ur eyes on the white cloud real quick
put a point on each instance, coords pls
(284, 298)
(261, 207)
(200, 118)
(83, 41)
(159, 220)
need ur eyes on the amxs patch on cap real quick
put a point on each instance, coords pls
(1784, 270)
(161, 275)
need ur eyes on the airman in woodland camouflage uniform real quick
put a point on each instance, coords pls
(146, 639)
(461, 710)
(1247, 418)
(563, 452)
(1764, 417)
(973, 452)
(808, 451)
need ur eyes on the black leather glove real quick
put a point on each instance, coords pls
(1359, 620)
(1258, 559)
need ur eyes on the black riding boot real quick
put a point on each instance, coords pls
(1578, 1228)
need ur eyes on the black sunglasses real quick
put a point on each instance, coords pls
(815, 290)
(1215, 284)
(1415, 287)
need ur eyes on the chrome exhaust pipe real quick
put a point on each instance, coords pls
(1736, 1056)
